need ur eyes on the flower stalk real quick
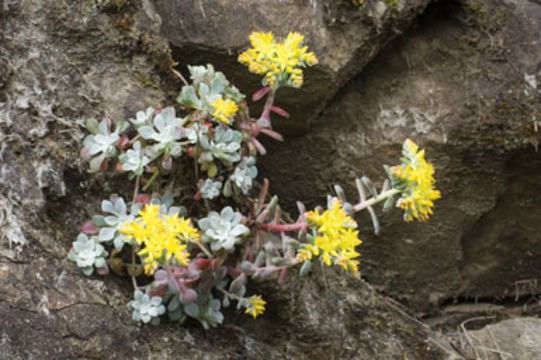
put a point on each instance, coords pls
(298, 226)
(374, 200)
(264, 119)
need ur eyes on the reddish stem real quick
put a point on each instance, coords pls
(263, 193)
(283, 227)
(257, 239)
(191, 281)
(282, 276)
(265, 116)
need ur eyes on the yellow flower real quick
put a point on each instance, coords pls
(256, 306)
(345, 260)
(262, 41)
(280, 62)
(164, 237)
(182, 227)
(335, 239)
(304, 255)
(224, 109)
(415, 179)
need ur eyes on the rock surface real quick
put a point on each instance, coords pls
(461, 83)
(62, 62)
(512, 339)
(457, 85)
(345, 37)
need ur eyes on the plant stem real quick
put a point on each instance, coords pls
(204, 249)
(302, 226)
(151, 180)
(374, 200)
(170, 273)
(136, 190)
(207, 204)
(231, 295)
(196, 165)
(265, 115)
(134, 139)
(283, 227)
(135, 193)
(277, 268)
(179, 75)
(133, 280)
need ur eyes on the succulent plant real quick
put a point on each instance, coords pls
(87, 253)
(134, 160)
(145, 308)
(244, 174)
(217, 81)
(187, 271)
(224, 146)
(101, 144)
(195, 132)
(210, 189)
(222, 230)
(206, 310)
(143, 117)
(208, 85)
(200, 73)
(166, 208)
(166, 130)
(110, 225)
(174, 308)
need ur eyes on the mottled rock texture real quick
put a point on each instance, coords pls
(459, 79)
(345, 37)
(517, 339)
(62, 62)
(454, 83)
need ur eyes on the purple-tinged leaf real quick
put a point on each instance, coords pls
(282, 276)
(273, 134)
(160, 275)
(260, 148)
(248, 267)
(123, 142)
(260, 93)
(188, 296)
(142, 199)
(280, 111)
(103, 271)
(238, 284)
(89, 228)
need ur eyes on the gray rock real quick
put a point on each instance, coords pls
(343, 35)
(512, 339)
(71, 60)
(455, 85)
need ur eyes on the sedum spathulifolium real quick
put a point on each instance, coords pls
(88, 253)
(223, 230)
(195, 226)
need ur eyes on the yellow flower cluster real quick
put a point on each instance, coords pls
(335, 240)
(164, 237)
(415, 178)
(256, 306)
(280, 62)
(224, 110)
